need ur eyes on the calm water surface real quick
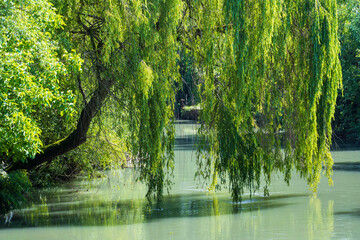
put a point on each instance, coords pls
(115, 208)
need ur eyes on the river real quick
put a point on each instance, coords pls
(115, 208)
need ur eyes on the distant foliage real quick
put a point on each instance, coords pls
(347, 124)
(187, 93)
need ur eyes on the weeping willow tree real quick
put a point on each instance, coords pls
(270, 73)
(129, 54)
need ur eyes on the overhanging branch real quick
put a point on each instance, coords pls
(76, 138)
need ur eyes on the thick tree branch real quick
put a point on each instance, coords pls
(81, 89)
(76, 138)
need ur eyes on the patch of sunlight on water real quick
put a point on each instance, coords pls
(115, 208)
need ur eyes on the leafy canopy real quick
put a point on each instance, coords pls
(31, 69)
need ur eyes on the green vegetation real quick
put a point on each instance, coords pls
(187, 95)
(31, 76)
(191, 112)
(274, 58)
(14, 186)
(265, 73)
(347, 116)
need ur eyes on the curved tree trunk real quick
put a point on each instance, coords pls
(76, 138)
(91, 108)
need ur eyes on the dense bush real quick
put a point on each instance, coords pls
(14, 188)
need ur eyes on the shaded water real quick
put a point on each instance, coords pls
(115, 208)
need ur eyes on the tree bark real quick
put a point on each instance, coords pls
(76, 138)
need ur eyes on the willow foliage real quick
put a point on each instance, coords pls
(130, 47)
(272, 72)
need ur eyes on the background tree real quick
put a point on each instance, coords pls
(188, 91)
(347, 116)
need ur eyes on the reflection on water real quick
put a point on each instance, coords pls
(115, 208)
(347, 166)
(355, 212)
(320, 219)
(92, 212)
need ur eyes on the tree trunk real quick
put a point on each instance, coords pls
(76, 138)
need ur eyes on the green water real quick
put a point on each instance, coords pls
(115, 208)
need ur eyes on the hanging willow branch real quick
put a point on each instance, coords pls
(282, 72)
